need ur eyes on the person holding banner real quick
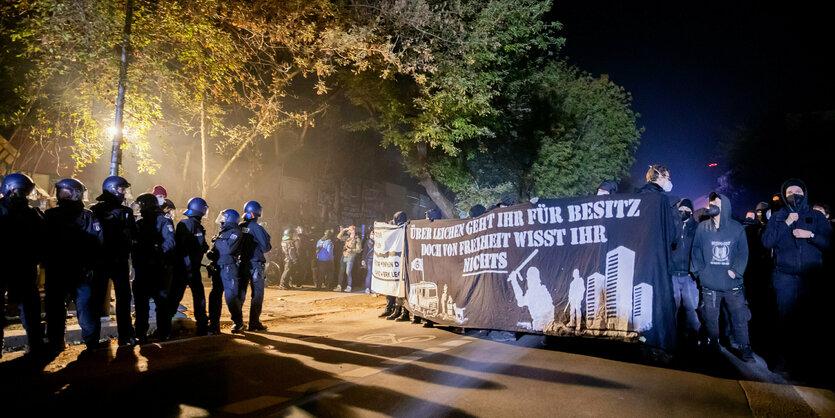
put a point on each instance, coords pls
(368, 258)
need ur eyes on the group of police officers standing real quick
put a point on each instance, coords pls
(84, 249)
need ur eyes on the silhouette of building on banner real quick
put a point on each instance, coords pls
(613, 302)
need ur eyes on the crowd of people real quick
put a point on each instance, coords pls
(81, 250)
(771, 270)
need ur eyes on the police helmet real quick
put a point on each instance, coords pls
(147, 202)
(70, 189)
(252, 210)
(228, 216)
(287, 232)
(197, 207)
(19, 182)
(115, 185)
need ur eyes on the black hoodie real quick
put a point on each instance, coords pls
(717, 250)
(797, 255)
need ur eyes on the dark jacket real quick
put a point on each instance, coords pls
(256, 242)
(227, 244)
(671, 220)
(23, 230)
(368, 252)
(797, 255)
(191, 242)
(73, 237)
(155, 243)
(683, 247)
(117, 224)
(715, 251)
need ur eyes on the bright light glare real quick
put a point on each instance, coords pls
(111, 131)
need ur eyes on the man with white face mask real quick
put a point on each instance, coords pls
(160, 194)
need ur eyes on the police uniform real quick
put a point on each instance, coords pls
(153, 256)
(25, 226)
(119, 227)
(228, 248)
(191, 245)
(255, 244)
(73, 239)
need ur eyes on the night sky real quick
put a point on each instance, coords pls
(697, 71)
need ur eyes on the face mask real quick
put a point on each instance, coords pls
(713, 210)
(602, 193)
(668, 186)
(160, 200)
(685, 215)
(795, 200)
(768, 214)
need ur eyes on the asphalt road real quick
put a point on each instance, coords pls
(353, 364)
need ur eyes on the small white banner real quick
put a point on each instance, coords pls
(388, 256)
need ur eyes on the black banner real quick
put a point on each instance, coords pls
(594, 266)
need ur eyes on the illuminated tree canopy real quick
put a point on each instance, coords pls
(473, 93)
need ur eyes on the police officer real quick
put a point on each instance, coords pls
(119, 229)
(73, 243)
(19, 276)
(256, 242)
(153, 258)
(227, 246)
(191, 245)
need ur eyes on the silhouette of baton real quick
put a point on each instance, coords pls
(527, 260)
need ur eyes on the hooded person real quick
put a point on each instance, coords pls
(607, 187)
(476, 211)
(799, 235)
(719, 258)
(685, 289)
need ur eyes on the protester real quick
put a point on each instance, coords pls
(799, 235)
(291, 260)
(22, 227)
(324, 257)
(160, 193)
(191, 246)
(73, 243)
(153, 260)
(119, 230)
(476, 211)
(758, 283)
(227, 246)
(353, 247)
(368, 258)
(719, 258)
(685, 289)
(394, 305)
(607, 187)
(256, 243)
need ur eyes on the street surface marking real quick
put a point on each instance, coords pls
(438, 349)
(362, 372)
(455, 343)
(314, 386)
(251, 405)
(389, 339)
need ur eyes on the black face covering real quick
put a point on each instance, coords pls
(712, 210)
(795, 201)
(685, 215)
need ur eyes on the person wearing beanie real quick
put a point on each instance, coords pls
(160, 194)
